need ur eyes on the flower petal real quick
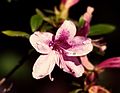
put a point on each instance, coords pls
(70, 3)
(40, 41)
(87, 16)
(113, 62)
(66, 31)
(79, 46)
(44, 65)
(71, 65)
(86, 63)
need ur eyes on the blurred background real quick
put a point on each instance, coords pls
(16, 14)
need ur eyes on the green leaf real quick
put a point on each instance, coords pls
(16, 33)
(101, 29)
(81, 21)
(36, 22)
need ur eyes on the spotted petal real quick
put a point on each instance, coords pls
(44, 65)
(40, 41)
(66, 31)
(71, 65)
(79, 46)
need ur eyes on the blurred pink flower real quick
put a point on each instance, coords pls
(109, 63)
(69, 3)
(60, 49)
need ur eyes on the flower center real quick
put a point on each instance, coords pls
(55, 45)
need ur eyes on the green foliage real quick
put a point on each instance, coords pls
(16, 33)
(100, 29)
(35, 22)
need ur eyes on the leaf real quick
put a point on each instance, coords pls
(81, 21)
(36, 22)
(16, 33)
(101, 29)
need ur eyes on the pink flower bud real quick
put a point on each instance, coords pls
(110, 63)
(69, 3)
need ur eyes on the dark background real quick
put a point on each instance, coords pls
(16, 16)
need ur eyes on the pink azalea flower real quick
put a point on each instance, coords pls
(60, 49)
(84, 31)
(69, 3)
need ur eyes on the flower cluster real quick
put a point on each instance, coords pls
(70, 46)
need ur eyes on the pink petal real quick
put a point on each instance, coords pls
(40, 41)
(66, 31)
(71, 65)
(110, 63)
(44, 65)
(84, 31)
(86, 63)
(87, 16)
(70, 3)
(80, 46)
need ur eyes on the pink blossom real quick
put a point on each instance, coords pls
(69, 3)
(84, 31)
(60, 49)
(109, 63)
